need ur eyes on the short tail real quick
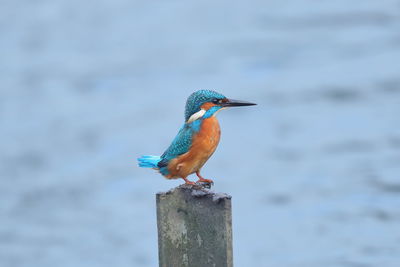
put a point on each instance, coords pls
(149, 161)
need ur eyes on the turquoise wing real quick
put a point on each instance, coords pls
(181, 143)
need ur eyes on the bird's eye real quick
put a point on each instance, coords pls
(216, 101)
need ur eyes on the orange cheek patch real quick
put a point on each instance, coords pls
(207, 106)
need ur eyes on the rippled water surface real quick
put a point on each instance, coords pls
(86, 87)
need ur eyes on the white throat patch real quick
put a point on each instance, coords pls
(196, 115)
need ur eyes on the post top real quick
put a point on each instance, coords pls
(197, 191)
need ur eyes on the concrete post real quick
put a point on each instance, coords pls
(194, 228)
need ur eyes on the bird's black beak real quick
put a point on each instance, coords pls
(236, 103)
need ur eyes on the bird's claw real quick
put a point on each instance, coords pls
(205, 183)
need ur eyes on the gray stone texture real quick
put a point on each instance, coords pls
(194, 228)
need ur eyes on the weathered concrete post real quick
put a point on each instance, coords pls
(194, 228)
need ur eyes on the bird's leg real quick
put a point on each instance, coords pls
(201, 179)
(187, 181)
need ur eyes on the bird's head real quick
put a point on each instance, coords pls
(207, 103)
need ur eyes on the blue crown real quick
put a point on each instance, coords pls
(197, 99)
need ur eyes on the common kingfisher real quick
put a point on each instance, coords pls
(196, 141)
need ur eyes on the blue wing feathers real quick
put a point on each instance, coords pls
(180, 145)
(183, 140)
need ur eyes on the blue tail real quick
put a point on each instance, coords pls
(149, 161)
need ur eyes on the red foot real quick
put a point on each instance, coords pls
(201, 179)
(209, 181)
(188, 182)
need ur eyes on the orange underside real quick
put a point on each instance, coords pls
(203, 146)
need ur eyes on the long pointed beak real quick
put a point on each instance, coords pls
(237, 103)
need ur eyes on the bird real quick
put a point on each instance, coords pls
(197, 139)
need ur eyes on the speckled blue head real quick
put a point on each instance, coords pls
(198, 98)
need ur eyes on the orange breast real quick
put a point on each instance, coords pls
(203, 146)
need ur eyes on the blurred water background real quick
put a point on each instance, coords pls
(88, 86)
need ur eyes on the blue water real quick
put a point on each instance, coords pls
(87, 87)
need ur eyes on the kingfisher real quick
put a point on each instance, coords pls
(197, 139)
